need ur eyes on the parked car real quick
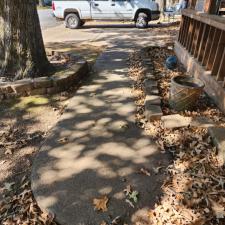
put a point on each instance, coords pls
(48, 2)
(75, 13)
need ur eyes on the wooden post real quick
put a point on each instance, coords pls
(192, 4)
(210, 6)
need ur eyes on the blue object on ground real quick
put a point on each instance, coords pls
(171, 62)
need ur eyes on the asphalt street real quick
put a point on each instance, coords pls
(47, 20)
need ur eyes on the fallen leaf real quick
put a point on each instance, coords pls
(8, 186)
(130, 203)
(116, 221)
(128, 189)
(157, 169)
(101, 203)
(145, 172)
(218, 209)
(103, 223)
(8, 152)
(63, 140)
(134, 196)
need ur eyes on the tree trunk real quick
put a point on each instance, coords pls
(22, 49)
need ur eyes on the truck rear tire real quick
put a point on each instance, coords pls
(72, 21)
(82, 22)
(142, 21)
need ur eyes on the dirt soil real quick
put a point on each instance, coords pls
(24, 124)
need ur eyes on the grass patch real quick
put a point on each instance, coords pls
(30, 104)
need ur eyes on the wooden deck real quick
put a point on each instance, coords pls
(201, 48)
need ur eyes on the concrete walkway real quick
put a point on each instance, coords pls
(103, 154)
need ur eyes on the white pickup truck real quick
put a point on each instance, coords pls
(76, 12)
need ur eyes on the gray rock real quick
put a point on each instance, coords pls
(218, 137)
(153, 99)
(153, 112)
(42, 82)
(203, 122)
(175, 121)
(151, 87)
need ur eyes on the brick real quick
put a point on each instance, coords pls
(175, 121)
(22, 86)
(11, 95)
(203, 122)
(53, 90)
(151, 87)
(39, 91)
(6, 88)
(80, 70)
(153, 112)
(63, 78)
(153, 99)
(218, 137)
(42, 82)
(150, 76)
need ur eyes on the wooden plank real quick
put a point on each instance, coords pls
(191, 35)
(208, 46)
(208, 5)
(221, 71)
(212, 20)
(192, 4)
(212, 87)
(195, 37)
(184, 33)
(190, 28)
(203, 42)
(199, 39)
(181, 29)
(219, 54)
(212, 52)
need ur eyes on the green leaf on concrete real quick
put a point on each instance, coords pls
(134, 196)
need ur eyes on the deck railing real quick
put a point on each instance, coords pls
(201, 48)
(203, 36)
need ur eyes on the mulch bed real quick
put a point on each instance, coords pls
(193, 192)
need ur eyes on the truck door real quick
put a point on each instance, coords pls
(123, 9)
(102, 9)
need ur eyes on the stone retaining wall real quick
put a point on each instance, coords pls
(60, 81)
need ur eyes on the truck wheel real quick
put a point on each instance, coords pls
(72, 21)
(82, 23)
(142, 20)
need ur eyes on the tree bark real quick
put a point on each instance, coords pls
(22, 49)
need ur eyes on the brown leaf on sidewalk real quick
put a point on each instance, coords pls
(100, 204)
(63, 140)
(128, 189)
(8, 152)
(145, 172)
(103, 223)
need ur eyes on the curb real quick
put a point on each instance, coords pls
(60, 81)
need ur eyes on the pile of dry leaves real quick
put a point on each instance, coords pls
(194, 192)
(12, 138)
(19, 206)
